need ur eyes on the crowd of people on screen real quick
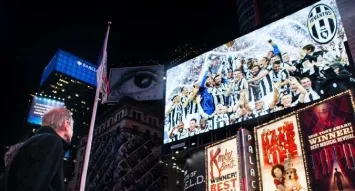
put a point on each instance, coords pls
(233, 89)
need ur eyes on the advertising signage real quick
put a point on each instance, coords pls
(223, 166)
(39, 106)
(72, 66)
(280, 157)
(329, 141)
(298, 59)
(140, 83)
(311, 149)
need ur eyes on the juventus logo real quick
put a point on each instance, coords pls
(322, 23)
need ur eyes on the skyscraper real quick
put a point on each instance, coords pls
(72, 81)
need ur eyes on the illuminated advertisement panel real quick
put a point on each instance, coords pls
(248, 163)
(222, 166)
(39, 106)
(293, 60)
(329, 141)
(72, 66)
(140, 83)
(279, 155)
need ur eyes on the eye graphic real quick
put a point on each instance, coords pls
(137, 81)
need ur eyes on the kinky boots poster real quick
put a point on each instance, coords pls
(222, 166)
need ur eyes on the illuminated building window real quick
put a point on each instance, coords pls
(64, 81)
(69, 97)
(63, 90)
(59, 84)
(54, 91)
(77, 95)
(83, 102)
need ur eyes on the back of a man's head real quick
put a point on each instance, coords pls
(56, 117)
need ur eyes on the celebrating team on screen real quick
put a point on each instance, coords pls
(233, 89)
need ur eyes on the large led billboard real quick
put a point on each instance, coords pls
(288, 62)
(39, 106)
(72, 66)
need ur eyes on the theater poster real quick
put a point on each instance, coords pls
(249, 172)
(328, 136)
(222, 166)
(279, 155)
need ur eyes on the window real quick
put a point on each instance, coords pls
(154, 122)
(117, 117)
(150, 120)
(147, 132)
(135, 128)
(139, 116)
(134, 114)
(155, 134)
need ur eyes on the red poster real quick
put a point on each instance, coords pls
(329, 141)
(280, 157)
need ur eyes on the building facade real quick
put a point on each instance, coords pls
(126, 149)
(347, 13)
(73, 80)
(252, 13)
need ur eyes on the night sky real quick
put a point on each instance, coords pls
(141, 30)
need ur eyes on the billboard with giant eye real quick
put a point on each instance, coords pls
(298, 59)
(140, 83)
(39, 106)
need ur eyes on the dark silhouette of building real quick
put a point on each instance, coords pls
(346, 9)
(252, 13)
(126, 149)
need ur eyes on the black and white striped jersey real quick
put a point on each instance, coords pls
(266, 83)
(219, 94)
(175, 116)
(220, 120)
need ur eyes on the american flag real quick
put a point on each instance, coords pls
(102, 78)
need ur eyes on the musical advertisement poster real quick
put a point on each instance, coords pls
(248, 167)
(222, 166)
(279, 155)
(329, 141)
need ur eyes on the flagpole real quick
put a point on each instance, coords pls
(93, 116)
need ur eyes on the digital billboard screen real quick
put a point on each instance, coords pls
(288, 62)
(39, 106)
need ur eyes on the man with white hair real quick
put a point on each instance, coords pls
(38, 164)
